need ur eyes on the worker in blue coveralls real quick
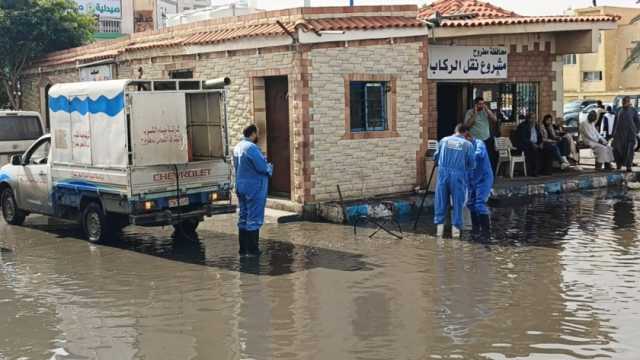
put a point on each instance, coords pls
(480, 185)
(252, 182)
(455, 158)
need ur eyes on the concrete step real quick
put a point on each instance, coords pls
(284, 205)
(280, 217)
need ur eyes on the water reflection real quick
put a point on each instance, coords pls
(557, 280)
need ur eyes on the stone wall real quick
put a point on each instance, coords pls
(369, 166)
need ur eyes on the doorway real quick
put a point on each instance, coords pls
(451, 104)
(278, 140)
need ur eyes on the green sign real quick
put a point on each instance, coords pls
(102, 8)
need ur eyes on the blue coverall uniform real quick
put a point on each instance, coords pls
(252, 182)
(480, 180)
(455, 157)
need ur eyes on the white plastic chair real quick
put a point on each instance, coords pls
(504, 147)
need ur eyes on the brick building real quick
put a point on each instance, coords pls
(348, 96)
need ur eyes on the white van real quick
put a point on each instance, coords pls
(18, 130)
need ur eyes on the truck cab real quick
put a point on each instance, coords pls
(125, 152)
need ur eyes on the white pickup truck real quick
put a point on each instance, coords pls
(122, 152)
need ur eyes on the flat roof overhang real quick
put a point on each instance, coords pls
(571, 38)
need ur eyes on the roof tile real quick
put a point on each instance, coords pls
(264, 24)
(480, 9)
(526, 20)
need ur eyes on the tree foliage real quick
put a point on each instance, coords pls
(634, 56)
(32, 28)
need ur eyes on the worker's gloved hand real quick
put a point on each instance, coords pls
(270, 169)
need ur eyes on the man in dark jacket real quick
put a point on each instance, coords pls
(625, 130)
(528, 139)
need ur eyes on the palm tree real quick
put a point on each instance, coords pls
(634, 56)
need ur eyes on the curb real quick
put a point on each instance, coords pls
(406, 206)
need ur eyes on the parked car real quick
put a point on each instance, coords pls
(617, 102)
(18, 129)
(589, 108)
(572, 111)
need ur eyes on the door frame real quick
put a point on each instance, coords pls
(258, 109)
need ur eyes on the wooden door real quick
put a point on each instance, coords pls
(278, 150)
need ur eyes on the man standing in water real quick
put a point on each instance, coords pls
(625, 130)
(480, 185)
(480, 120)
(252, 181)
(455, 158)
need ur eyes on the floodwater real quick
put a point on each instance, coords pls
(559, 280)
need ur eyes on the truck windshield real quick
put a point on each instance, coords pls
(17, 128)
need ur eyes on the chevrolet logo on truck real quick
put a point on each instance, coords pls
(187, 174)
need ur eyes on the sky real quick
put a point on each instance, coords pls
(523, 7)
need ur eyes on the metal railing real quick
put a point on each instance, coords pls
(109, 26)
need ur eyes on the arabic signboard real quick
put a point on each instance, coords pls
(467, 62)
(111, 9)
(96, 73)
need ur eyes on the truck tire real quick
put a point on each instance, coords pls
(95, 223)
(186, 227)
(12, 215)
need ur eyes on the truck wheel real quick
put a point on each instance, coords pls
(94, 223)
(186, 227)
(12, 215)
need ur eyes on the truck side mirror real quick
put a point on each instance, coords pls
(16, 160)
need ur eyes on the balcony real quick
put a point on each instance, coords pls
(109, 26)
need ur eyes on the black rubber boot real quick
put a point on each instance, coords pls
(253, 243)
(242, 241)
(475, 224)
(485, 225)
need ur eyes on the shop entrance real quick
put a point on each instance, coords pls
(452, 104)
(278, 150)
(511, 102)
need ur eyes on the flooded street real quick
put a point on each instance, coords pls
(559, 280)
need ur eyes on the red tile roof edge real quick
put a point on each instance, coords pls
(452, 7)
(226, 33)
(207, 33)
(527, 20)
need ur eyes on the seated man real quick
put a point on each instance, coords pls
(553, 144)
(558, 130)
(592, 138)
(528, 139)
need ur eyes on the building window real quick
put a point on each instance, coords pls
(181, 74)
(570, 59)
(516, 101)
(370, 106)
(592, 76)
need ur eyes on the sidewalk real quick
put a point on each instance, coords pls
(504, 189)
